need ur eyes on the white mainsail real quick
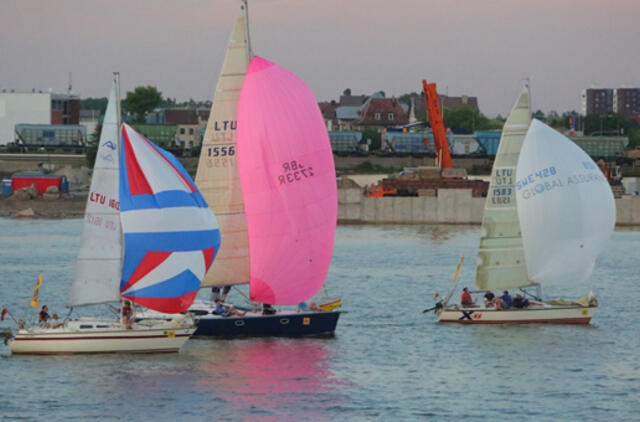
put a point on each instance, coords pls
(99, 263)
(565, 205)
(217, 176)
(501, 261)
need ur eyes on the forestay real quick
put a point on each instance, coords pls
(565, 205)
(501, 263)
(289, 185)
(170, 234)
(99, 259)
(217, 175)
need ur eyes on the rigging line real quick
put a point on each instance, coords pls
(526, 293)
(244, 295)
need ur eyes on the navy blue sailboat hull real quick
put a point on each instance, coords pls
(282, 324)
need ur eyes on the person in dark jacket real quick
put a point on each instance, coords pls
(489, 299)
(44, 316)
(520, 302)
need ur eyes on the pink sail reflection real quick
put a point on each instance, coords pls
(289, 185)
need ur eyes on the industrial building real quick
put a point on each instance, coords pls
(35, 108)
(604, 101)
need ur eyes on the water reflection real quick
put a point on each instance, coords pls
(265, 375)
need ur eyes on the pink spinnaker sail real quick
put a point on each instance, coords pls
(288, 183)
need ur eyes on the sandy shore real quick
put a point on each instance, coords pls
(68, 207)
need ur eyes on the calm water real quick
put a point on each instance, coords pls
(387, 361)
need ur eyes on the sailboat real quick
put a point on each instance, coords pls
(148, 238)
(266, 169)
(549, 214)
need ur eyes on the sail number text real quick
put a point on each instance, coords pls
(294, 171)
(221, 151)
(221, 156)
(503, 176)
(501, 196)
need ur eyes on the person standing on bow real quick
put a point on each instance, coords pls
(127, 315)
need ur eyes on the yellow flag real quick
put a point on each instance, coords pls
(35, 297)
(455, 275)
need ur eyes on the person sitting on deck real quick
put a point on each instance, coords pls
(305, 307)
(465, 298)
(520, 302)
(489, 299)
(55, 322)
(268, 309)
(222, 311)
(506, 300)
(44, 316)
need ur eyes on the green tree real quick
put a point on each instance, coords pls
(141, 101)
(346, 91)
(406, 98)
(94, 104)
(374, 136)
(168, 103)
(612, 125)
(92, 146)
(465, 120)
(539, 114)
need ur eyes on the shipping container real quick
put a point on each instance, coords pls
(414, 143)
(344, 142)
(465, 145)
(489, 140)
(42, 181)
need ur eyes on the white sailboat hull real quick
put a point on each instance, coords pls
(572, 314)
(93, 336)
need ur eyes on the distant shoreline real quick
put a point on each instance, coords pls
(74, 207)
(71, 207)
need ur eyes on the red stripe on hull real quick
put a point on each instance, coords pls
(525, 321)
(172, 350)
(96, 338)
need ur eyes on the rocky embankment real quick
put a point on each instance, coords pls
(48, 205)
(29, 203)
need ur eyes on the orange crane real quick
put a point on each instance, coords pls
(443, 158)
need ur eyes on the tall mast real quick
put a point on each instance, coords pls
(116, 79)
(246, 21)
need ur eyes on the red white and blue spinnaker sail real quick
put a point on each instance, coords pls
(170, 234)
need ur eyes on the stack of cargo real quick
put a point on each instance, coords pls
(426, 181)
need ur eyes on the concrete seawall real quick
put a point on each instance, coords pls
(13, 163)
(451, 206)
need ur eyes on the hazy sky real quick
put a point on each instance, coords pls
(483, 48)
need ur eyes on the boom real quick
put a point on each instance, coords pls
(443, 157)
